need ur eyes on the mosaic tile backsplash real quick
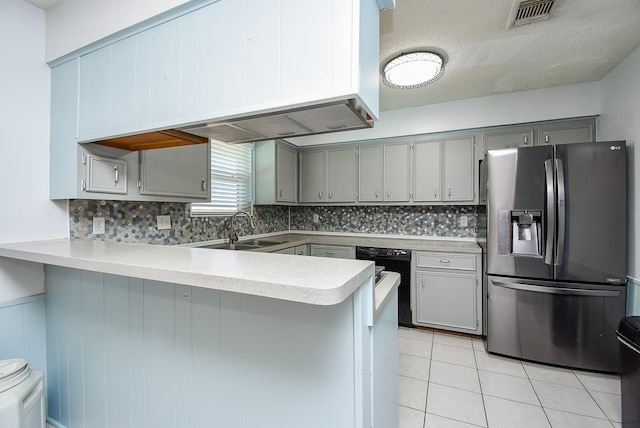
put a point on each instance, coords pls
(127, 221)
(437, 221)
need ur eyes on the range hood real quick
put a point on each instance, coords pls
(317, 119)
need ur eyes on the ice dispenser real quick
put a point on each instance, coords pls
(520, 233)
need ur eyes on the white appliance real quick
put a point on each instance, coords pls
(21, 395)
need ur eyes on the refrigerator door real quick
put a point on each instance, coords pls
(519, 220)
(566, 324)
(591, 213)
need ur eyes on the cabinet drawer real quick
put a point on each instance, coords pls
(445, 260)
(337, 252)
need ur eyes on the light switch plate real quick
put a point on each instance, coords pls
(463, 221)
(98, 225)
(316, 218)
(164, 222)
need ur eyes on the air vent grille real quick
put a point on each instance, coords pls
(532, 10)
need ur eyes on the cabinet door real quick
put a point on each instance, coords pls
(123, 85)
(507, 139)
(370, 173)
(578, 131)
(446, 300)
(341, 175)
(104, 175)
(458, 170)
(286, 174)
(312, 176)
(164, 72)
(95, 94)
(176, 171)
(426, 166)
(333, 251)
(396, 172)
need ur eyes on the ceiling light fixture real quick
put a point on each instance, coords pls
(413, 70)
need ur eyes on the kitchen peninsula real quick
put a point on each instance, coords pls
(146, 335)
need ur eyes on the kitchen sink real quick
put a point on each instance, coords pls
(246, 245)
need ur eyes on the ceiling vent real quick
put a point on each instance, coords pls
(528, 11)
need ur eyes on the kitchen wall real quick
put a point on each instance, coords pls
(26, 214)
(560, 102)
(620, 120)
(73, 24)
(136, 221)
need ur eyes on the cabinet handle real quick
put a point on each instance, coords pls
(116, 175)
(320, 194)
(388, 193)
(526, 139)
(445, 261)
(546, 138)
(377, 193)
(330, 253)
(203, 185)
(280, 192)
(449, 190)
(330, 194)
(435, 191)
(422, 282)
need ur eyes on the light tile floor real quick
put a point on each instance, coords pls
(448, 381)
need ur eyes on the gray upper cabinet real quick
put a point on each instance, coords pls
(183, 171)
(426, 159)
(458, 169)
(371, 173)
(383, 172)
(328, 175)
(507, 137)
(105, 175)
(397, 170)
(341, 175)
(312, 176)
(444, 170)
(564, 132)
(276, 170)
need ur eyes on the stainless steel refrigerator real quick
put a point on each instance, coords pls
(557, 253)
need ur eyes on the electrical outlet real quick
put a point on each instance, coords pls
(164, 222)
(316, 218)
(98, 225)
(463, 221)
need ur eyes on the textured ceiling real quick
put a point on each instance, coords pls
(581, 41)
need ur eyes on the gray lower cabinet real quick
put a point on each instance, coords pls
(176, 171)
(446, 291)
(333, 251)
(299, 250)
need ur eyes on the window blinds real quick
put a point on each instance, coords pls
(231, 180)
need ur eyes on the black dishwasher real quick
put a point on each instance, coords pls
(393, 260)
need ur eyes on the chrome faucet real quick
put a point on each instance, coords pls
(233, 235)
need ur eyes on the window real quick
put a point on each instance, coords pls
(231, 180)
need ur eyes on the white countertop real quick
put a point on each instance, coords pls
(312, 280)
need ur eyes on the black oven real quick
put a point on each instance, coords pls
(393, 260)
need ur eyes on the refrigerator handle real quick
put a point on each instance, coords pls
(557, 290)
(561, 212)
(548, 169)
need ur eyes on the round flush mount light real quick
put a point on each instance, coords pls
(413, 70)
